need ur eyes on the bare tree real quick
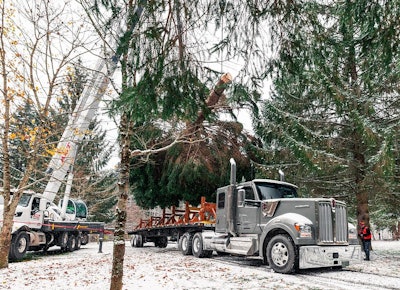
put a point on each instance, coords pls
(38, 42)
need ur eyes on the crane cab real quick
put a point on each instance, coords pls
(76, 209)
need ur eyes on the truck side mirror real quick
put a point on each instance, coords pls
(240, 199)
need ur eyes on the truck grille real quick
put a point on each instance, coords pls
(332, 223)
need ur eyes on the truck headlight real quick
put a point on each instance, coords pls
(305, 231)
(352, 234)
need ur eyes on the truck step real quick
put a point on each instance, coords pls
(243, 245)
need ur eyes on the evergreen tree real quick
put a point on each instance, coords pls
(333, 114)
(170, 85)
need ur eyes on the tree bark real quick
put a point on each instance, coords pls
(123, 188)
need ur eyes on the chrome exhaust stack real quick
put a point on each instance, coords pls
(281, 175)
(232, 201)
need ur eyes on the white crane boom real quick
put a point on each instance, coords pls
(63, 160)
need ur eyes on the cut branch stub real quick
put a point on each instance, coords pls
(214, 97)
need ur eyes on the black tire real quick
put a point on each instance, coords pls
(161, 242)
(139, 241)
(185, 244)
(85, 238)
(71, 245)
(63, 240)
(281, 254)
(133, 241)
(19, 246)
(197, 247)
(78, 242)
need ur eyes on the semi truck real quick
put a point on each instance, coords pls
(262, 218)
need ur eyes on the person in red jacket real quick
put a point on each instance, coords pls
(365, 235)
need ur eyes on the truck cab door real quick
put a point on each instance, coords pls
(36, 215)
(248, 212)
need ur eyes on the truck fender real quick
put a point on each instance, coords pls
(282, 224)
(33, 238)
(17, 227)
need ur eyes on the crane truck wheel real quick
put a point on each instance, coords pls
(197, 247)
(85, 238)
(63, 241)
(19, 246)
(185, 244)
(78, 243)
(281, 254)
(71, 245)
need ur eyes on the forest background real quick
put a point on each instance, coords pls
(320, 80)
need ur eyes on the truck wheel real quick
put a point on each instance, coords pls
(63, 240)
(197, 247)
(185, 244)
(71, 243)
(281, 254)
(133, 241)
(139, 241)
(85, 238)
(78, 242)
(19, 246)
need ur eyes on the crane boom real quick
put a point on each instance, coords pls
(63, 160)
(77, 127)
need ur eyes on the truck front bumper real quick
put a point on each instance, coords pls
(329, 256)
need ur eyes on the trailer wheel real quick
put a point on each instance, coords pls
(161, 242)
(139, 241)
(185, 243)
(19, 246)
(71, 245)
(197, 247)
(133, 241)
(281, 254)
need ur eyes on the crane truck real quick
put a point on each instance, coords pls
(39, 223)
(262, 218)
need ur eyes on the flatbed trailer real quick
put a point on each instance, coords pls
(173, 223)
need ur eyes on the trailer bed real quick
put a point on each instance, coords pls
(173, 223)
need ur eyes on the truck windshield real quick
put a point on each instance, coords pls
(24, 201)
(271, 191)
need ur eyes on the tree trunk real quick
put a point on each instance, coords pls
(359, 177)
(5, 241)
(123, 188)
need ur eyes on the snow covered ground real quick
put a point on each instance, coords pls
(155, 268)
